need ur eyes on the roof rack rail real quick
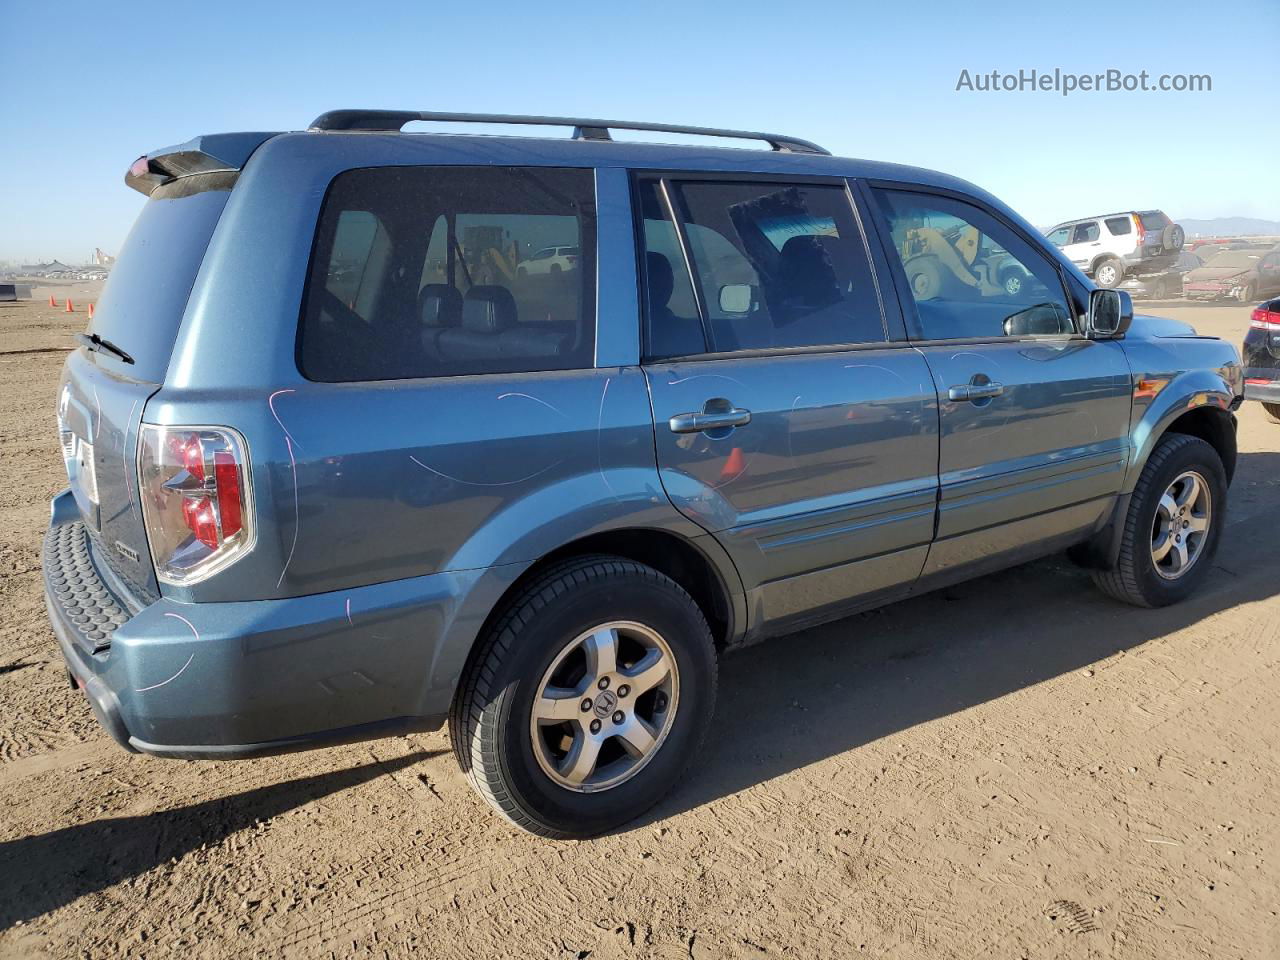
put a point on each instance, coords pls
(388, 120)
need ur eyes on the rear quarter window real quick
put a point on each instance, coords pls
(446, 271)
(1119, 226)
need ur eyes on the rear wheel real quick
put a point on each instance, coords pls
(1108, 273)
(587, 699)
(1273, 410)
(1173, 525)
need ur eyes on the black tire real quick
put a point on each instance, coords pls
(925, 276)
(1273, 410)
(1173, 237)
(1249, 293)
(1134, 579)
(1108, 273)
(489, 723)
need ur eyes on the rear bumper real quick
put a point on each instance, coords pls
(1262, 383)
(224, 680)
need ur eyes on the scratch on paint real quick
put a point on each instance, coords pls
(791, 426)
(271, 403)
(293, 472)
(876, 366)
(526, 396)
(196, 634)
(599, 448)
(708, 376)
(349, 621)
(481, 483)
(124, 453)
(97, 427)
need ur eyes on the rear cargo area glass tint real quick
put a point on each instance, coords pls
(443, 271)
(146, 294)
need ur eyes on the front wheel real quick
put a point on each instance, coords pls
(1173, 526)
(587, 699)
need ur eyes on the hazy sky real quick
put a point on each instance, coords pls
(85, 92)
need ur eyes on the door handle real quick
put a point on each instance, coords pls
(975, 391)
(699, 422)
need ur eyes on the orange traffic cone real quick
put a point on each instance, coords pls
(91, 311)
(733, 466)
(52, 302)
(70, 308)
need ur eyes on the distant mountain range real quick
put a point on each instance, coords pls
(1230, 227)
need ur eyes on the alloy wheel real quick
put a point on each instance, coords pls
(1181, 525)
(604, 706)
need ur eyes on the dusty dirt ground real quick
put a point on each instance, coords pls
(1016, 767)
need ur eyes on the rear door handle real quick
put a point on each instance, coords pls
(975, 391)
(699, 422)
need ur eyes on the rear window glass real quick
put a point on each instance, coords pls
(146, 294)
(1153, 220)
(1119, 226)
(445, 271)
(1235, 258)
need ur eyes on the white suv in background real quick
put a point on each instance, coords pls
(550, 260)
(1133, 243)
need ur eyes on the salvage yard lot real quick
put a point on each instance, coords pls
(1012, 767)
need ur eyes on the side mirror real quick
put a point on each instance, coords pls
(736, 298)
(1110, 313)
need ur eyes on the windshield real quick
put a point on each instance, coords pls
(1234, 258)
(143, 301)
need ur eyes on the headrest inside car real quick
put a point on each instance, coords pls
(661, 278)
(488, 309)
(440, 305)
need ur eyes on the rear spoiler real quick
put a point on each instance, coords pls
(213, 153)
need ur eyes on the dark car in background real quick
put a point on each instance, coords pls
(1262, 357)
(1244, 274)
(1166, 285)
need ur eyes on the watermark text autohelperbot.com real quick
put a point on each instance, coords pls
(1065, 83)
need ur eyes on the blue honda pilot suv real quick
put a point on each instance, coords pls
(375, 429)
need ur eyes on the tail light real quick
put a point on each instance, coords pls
(1262, 319)
(1142, 231)
(196, 499)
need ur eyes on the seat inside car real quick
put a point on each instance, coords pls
(490, 327)
(439, 308)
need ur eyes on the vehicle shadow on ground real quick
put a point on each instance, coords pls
(799, 699)
(44, 872)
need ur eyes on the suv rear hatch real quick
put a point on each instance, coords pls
(123, 361)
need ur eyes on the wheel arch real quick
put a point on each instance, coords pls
(711, 581)
(699, 565)
(1205, 414)
(1103, 258)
